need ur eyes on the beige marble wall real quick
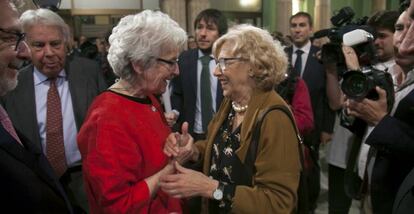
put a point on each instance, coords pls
(176, 10)
(322, 14)
(378, 5)
(194, 8)
(283, 13)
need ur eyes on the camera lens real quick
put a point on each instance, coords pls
(355, 84)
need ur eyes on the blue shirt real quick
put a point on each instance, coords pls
(41, 85)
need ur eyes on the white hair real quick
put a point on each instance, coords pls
(141, 37)
(45, 17)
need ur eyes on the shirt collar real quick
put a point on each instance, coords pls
(201, 54)
(385, 65)
(305, 48)
(39, 77)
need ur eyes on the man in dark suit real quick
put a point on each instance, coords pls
(53, 96)
(391, 158)
(302, 55)
(27, 182)
(196, 96)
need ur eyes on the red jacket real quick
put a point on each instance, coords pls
(302, 107)
(121, 144)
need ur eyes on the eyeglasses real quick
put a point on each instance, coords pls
(13, 38)
(172, 64)
(223, 62)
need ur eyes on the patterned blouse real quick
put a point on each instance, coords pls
(225, 164)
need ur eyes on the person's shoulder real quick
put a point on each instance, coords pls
(82, 61)
(189, 53)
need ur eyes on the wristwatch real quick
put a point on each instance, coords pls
(218, 193)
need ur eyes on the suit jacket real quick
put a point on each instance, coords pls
(85, 83)
(393, 138)
(27, 181)
(277, 163)
(184, 94)
(314, 76)
(404, 201)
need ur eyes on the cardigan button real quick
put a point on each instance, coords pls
(153, 108)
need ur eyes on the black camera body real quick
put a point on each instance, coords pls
(358, 85)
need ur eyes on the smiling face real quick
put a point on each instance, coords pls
(48, 49)
(155, 79)
(234, 79)
(11, 58)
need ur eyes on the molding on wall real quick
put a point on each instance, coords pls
(94, 12)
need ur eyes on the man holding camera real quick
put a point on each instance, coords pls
(391, 140)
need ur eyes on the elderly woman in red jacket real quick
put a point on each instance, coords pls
(123, 135)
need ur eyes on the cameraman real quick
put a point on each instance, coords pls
(392, 138)
(383, 24)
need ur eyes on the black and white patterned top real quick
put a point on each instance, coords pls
(224, 162)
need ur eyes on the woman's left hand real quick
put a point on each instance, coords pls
(187, 183)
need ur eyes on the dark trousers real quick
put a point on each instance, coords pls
(314, 177)
(72, 182)
(339, 202)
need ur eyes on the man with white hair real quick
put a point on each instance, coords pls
(51, 101)
(27, 182)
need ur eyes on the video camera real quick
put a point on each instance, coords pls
(355, 84)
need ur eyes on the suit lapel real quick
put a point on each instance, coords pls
(30, 155)
(309, 63)
(25, 106)
(192, 69)
(78, 90)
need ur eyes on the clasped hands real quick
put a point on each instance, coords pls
(184, 182)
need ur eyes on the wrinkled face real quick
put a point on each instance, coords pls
(300, 30)
(401, 27)
(156, 77)
(48, 49)
(384, 45)
(11, 57)
(232, 72)
(206, 34)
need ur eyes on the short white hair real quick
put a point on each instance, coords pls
(139, 38)
(46, 17)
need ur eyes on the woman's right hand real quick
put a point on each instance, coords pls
(180, 146)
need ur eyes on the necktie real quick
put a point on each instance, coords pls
(205, 93)
(55, 149)
(297, 69)
(7, 124)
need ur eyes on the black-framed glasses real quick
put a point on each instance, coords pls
(172, 64)
(14, 38)
(223, 62)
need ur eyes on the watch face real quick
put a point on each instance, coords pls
(218, 194)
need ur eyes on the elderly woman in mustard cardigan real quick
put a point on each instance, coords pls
(249, 65)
